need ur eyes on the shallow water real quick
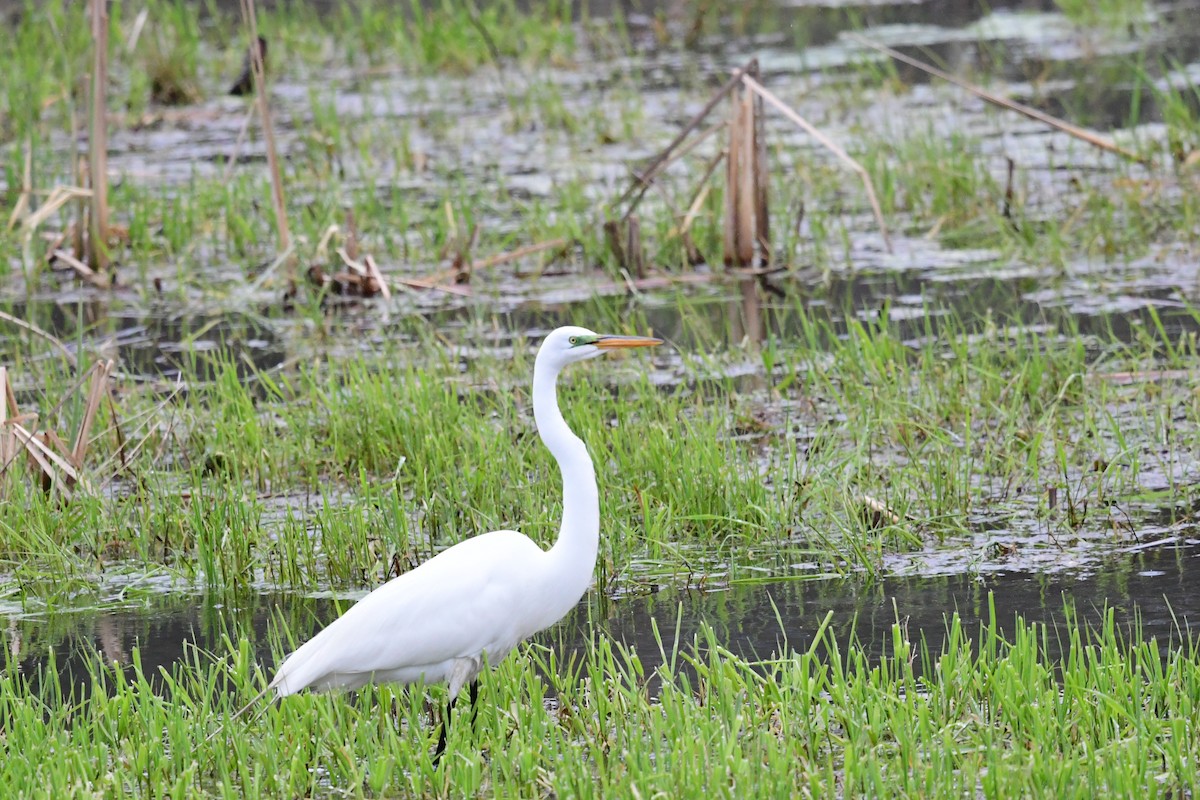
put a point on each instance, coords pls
(1152, 586)
(1019, 47)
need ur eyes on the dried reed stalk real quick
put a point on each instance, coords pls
(98, 139)
(96, 394)
(830, 145)
(21, 209)
(520, 252)
(762, 210)
(633, 246)
(7, 445)
(83, 270)
(1091, 137)
(745, 226)
(739, 184)
(34, 329)
(59, 464)
(643, 178)
(264, 115)
(59, 197)
(702, 190)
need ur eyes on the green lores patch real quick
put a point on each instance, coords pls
(1001, 718)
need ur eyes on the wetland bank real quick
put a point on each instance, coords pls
(915, 521)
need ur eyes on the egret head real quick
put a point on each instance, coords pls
(569, 344)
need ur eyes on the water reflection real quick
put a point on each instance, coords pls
(1156, 586)
(155, 344)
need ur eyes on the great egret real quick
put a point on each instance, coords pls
(482, 596)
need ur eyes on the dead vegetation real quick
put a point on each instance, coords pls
(746, 218)
(58, 467)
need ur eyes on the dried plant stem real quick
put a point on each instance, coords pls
(6, 437)
(21, 209)
(520, 252)
(264, 115)
(762, 211)
(642, 179)
(701, 193)
(96, 394)
(1091, 137)
(740, 192)
(830, 145)
(82, 269)
(98, 139)
(34, 329)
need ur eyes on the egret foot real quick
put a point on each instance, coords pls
(441, 745)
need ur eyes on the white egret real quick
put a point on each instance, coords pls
(478, 599)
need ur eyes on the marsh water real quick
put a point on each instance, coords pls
(1150, 589)
(1151, 577)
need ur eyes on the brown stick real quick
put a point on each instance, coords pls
(762, 212)
(21, 209)
(10, 400)
(5, 433)
(1091, 137)
(520, 252)
(98, 139)
(84, 271)
(830, 145)
(418, 283)
(733, 184)
(702, 189)
(264, 115)
(743, 182)
(642, 181)
(96, 393)
(646, 177)
(38, 449)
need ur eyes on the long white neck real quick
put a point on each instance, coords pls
(574, 554)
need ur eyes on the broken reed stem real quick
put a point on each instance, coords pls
(98, 139)
(762, 211)
(6, 436)
(21, 209)
(34, 329)
(520, 252)
(702, 190)
(746, 225)
(83, 270)
(96, 393)
(646, 178)
(733, 238)
(1091, 137)
(830, 145)
(642, 179)
(264, 115)
(746, 191)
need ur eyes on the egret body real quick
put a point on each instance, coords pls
(478, 599)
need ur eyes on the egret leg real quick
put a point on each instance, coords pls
(441, 745)
(474, 701)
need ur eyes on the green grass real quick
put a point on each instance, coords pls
(1115, 15)
(383, 437)
(1032, 425)
(1070, 711)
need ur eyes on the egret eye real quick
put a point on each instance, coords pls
(574, 340)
